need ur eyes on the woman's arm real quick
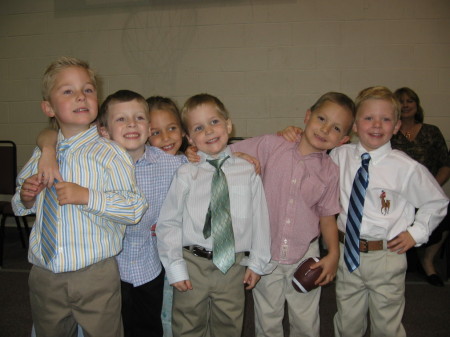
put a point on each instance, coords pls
(443, 175)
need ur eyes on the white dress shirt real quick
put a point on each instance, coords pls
(183, 213)
(393, 177)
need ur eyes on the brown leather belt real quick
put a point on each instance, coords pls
(364, 245)
(200, 251)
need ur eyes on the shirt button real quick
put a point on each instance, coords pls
(288, 221)
(294, 181)
(291, 201)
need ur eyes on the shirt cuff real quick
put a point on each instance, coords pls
(260, 268)
(177, 272)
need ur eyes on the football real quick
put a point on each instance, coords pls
(304, 277)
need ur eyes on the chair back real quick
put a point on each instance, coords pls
(8, 167)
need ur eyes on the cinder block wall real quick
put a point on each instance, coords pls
(268, 60)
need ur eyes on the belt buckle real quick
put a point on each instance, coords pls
(363, 246)
(195, 251)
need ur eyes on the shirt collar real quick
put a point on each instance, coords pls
(151, 155)
(375, 155)
(226, 152)
(79, 139)
(297, 155)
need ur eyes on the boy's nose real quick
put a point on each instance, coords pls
(376, 122)
(81, 96)
(208, 130)
(325, 128)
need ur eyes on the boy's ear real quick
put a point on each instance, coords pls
(103, 131)
(189, 139)
(229, 125)
(397, 126)
(307, 116)
(47, 109)
(354, 128)
(344, 140)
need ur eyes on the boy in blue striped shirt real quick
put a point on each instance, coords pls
(75, 278)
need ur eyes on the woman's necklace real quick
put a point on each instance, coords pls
(409, 134)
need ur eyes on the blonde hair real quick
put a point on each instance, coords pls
(48, 80)
(382, 93)
(201, 99)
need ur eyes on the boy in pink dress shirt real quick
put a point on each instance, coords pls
(301, 184)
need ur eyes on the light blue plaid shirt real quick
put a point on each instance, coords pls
(139, 261)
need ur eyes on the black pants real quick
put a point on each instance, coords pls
(141, 308)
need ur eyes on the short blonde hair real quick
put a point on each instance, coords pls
(201, 99)
(379, 92)
(48, 81)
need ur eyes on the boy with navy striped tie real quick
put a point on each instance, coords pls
(380, 191)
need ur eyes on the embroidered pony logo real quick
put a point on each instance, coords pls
(385, 204)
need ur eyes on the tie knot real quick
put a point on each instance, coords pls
(217, 163)
(62, 146)
(365, 157)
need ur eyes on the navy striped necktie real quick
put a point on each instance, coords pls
(355, 212)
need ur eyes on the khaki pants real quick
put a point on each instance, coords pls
(270, 295)
(89, 297)
(377, 286)
(216, 303)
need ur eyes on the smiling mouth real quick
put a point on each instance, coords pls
(167, 147)
(81, 110)
(131, 135)
(211, 141)
(320, 138)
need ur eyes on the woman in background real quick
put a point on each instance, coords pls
(426, 144)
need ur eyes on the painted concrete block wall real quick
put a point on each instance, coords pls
(268, 60)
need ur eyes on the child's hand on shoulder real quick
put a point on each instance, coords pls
(70, 193)
(291, 133)
(48, 169)
(252, 160)
(329, 266)
(31, 187)
(401, 243)
(251, 278)
(184, 285)
(191, 154)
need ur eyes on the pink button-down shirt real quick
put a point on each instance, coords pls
(299, 190)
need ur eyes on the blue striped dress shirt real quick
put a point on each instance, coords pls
(139, 260)
(87, 233)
